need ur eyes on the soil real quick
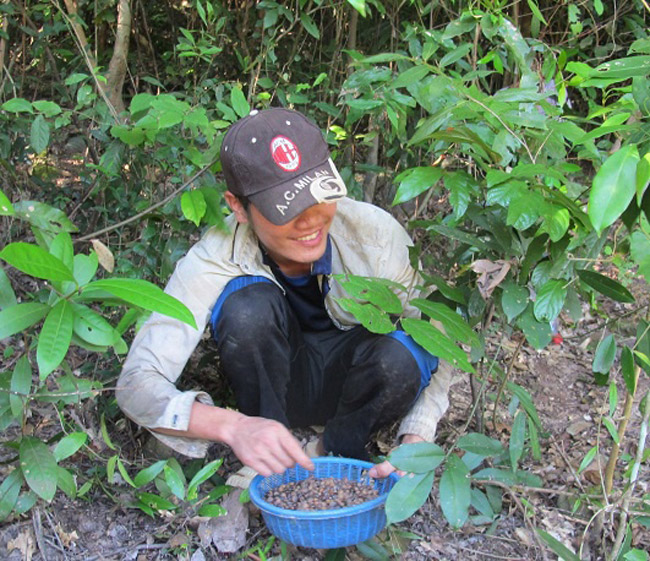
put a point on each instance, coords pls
(104, 526)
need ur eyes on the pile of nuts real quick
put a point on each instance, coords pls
(321, 494)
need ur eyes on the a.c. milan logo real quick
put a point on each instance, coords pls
(285, 153)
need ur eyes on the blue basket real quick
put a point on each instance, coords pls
(324, 529)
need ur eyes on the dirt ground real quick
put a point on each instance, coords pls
(559, 379)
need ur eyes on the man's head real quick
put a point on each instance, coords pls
(279, 161)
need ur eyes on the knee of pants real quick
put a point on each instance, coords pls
(248, 313)
(395, 366)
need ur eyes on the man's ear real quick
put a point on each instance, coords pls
(237, 208)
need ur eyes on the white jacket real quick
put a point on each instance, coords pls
(366, 241)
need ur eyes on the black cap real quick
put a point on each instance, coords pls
(279, 160)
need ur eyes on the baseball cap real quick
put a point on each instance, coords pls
(279, 160)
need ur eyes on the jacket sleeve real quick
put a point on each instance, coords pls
(146, 390)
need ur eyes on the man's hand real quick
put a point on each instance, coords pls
(266, 446)
(262, 444)
(386, 468)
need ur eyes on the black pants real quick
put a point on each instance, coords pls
(353, 382)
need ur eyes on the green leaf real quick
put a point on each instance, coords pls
(517, 439)
(537, 333)
(35, 261)
(605, 355)
(627, 369)
(45, 217)
(106, 436)
(613, 187)
(66, 482)
(193, 205)
(514, 299)
(39, 467)
(85, 267)
(21, 316)
(642, 177)
(455, 326)
(611, 428)
(48, 108)
(436, 342)
(18, 105)
(125, 474)
(411, 76)
(62, 248)
(205, 473)
(142, 294)
(415, 181)
(148, 474)
(154, 501)
(6, 208)
(239, 103)
(606, 286)
(359, 6)
(212, 511)
(455, 492)
(371, 317)
(557, 547)
(40, 134)
(92, 327)
(589, 457)
(550, 300)
(55, 337)
(418, 457)
(374, 290)
(623, 68)
(494, 474)
(534, 8)
(21, 383)
(174, 481)
(308, 23)
(69, 445)
(480, 444)
(408, 495)
(9, 491)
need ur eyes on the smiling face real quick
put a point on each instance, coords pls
(294, 246)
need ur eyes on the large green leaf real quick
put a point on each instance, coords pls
(538, 333)
(604, 355)
(371, 317)
(376, 291)
(205, 473)
(418, 457)
(239, 103)
(480, 444)
(613, 187)
(6, 208)
(606, 286)
(642, 177)
(142, 294)
(35, 261)
(627, 369)
(436, 342)
(517, 438)
(410, 76)
(550, 299)
(455, 492)
(408, 495)
(92, 327)
(40, 134)
(21, 316)
(415, 181)
(55, 337)
(562, 551)
(9, 491)
(455, 326)
(148, 474)
(514, 299)
(69, 444)
(44, 216)
(193, 205)
(21, 384)
(7, 294)
(39, 467)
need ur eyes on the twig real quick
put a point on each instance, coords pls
(60, 547)
(127, 549)
(149, 209)
(38, 533)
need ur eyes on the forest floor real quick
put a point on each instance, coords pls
(569, 403)
(102, 525)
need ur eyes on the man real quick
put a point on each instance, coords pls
(292, 354)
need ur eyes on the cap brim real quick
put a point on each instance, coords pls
(283, 202)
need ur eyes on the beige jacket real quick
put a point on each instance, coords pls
(366, 241)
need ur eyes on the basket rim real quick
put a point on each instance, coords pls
(325, 514)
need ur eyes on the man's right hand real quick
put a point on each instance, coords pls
(266, 446)
(262, 444)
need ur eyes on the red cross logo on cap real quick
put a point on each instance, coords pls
(285, 153)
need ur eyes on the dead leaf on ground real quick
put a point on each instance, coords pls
(228, 532)
(24, 543)
(67, 538)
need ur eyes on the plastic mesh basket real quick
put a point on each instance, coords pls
(324, 529)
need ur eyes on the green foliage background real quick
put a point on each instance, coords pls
(512, 138)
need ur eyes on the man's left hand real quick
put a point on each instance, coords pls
(385, 468)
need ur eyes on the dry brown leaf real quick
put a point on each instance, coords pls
(228, 532)
(24, 543)
(491, 274)
(104, 255)
(66, 538)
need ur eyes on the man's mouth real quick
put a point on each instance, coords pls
(309, 237)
